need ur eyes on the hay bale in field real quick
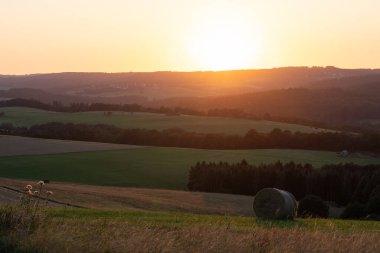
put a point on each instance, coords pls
(272, 203)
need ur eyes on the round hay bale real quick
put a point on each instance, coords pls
(272, 203)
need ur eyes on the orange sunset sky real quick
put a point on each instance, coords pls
(123, 35)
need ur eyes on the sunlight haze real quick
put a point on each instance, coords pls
(119, 36)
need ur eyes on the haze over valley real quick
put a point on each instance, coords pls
(189, 126)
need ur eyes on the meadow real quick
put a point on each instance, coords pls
(21, 116)
(150, 167)
(80, 230)
(181, 219)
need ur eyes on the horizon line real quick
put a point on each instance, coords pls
(190, 71)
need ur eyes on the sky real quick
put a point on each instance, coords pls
(40, 36)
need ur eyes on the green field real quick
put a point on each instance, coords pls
(20, 116)
(149, 167)
(183, 219)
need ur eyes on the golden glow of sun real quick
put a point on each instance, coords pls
(222, 42)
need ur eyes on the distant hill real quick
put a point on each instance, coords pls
(159, 85)
(40, 95)
(325, 105)
(50, 97)
(353, 82)
(319, 94)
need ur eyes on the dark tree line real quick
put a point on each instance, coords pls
(334, 141)
(342, 183)
(88, 107)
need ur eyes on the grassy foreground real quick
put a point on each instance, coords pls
(184, 219)
(75, 230)
(21, 116)
(149, 167)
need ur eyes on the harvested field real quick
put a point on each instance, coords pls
(107, 197)
(102, 197)
(8, 197)
(11, 196)
(16, 145)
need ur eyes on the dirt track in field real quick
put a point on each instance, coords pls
(16, 145)
(104, 197)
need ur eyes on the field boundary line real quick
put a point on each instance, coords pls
(49, 200)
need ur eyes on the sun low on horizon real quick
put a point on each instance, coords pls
(223, 40)
(168, 35)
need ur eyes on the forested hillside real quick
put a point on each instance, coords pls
(326, 105)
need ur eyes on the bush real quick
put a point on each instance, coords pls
(313, 206)
(373, 217)
(354, 211)
(7, 246)
(8, 219)
(21, 220)
(373, 205)
(28, 214)
(375, 192)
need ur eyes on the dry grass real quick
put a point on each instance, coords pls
(111, 236)
(91, 230)
(102, 197)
